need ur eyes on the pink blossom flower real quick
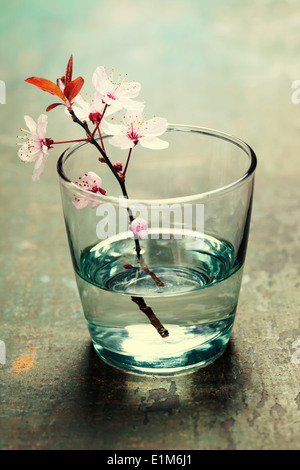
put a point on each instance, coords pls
(90, 111)
(35, 149)
(139, 227)
(90, 182)
(135, 131)
(118, 166)
(116, 95)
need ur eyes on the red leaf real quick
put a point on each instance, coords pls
(69, 71)
(73, 88)
(46, 85)
(52, 106)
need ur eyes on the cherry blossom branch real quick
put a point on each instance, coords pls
(138, 300)
(67, 89)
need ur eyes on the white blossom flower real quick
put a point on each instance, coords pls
(35, 149)
(116, 95)
(135, 130)
(93, 111)
(90, 181)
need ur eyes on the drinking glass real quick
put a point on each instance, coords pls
(164, 303)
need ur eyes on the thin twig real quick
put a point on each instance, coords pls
(151, 315)
(147, 270)
(128, 158)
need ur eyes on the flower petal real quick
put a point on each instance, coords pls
(81, 203)
(153, 143)
(115, 105)
(155, 126)
(129, 90)
(136, 107)
(112, 129)
(98, 105)
(26, 156)
(101, 81)
(30, 124)
(134, 116)
(41, 126)
(143, 234)
(122, 141)
(39, 166)
(92, 179)
(83, 109)
(95, 204)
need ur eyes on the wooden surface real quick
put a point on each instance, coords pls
(225, 65)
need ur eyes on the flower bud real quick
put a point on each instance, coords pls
(95, 117)
(139, 227)
(128, 266)
(118, 166)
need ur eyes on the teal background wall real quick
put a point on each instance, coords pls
(226, 65)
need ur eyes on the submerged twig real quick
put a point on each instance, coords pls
(151, 315)
(149, 271)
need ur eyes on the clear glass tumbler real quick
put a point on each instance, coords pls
(164, 303)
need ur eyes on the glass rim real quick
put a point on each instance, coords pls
(180, 199)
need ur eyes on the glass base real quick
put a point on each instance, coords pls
(164, 356)
(196, 305)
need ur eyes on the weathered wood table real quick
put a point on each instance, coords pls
(226, 65)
